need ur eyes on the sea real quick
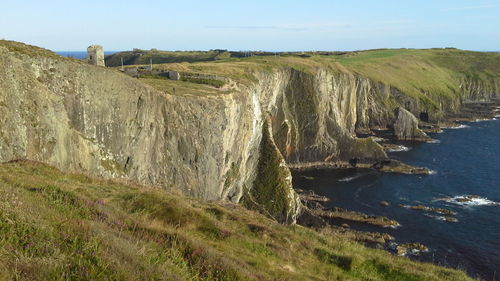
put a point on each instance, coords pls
(79, 54)
(466, 179)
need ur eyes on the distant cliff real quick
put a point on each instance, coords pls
(87, 118)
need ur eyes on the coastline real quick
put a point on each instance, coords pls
(446, 216)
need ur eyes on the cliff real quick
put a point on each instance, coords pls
(217, 144)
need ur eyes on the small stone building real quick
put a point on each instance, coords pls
(174, 75)
(95, 55)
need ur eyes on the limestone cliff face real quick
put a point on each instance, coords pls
(315, 116)
(87, 118)
(80, 117)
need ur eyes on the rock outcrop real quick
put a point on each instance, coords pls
(231, 146)
(406, 127)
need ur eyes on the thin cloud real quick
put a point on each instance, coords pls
(392, 22)
(287, 27)
(241, 27)
(473, 7)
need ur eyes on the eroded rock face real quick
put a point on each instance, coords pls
(89, 119)
(84, 118)
(314, 117)
(406, 127)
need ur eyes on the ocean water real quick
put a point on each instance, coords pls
(80, 54)
(466, 162)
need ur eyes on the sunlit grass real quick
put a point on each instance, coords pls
(59, 226)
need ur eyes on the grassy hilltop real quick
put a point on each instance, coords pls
(59, 226)
(433, 77)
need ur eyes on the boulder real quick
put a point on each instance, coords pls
(384, 203)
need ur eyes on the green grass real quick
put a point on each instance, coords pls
(157, 57)
(172, 87)
(60, 226)
(270, 192)
(211, 82)
(430, 77)
(373, 55)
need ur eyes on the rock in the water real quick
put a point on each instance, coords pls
(411, 249)
(308, 219)
(406, 127)
(384, 203)
(450, 219)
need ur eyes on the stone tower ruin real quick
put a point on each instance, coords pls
(95, 55)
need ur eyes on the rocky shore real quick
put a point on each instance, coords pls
(338, 220)
(443, 214)
(388, 165)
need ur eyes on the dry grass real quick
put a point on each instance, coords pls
(58, 226)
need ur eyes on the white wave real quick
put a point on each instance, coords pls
(346, 179)
(377, 139)
(442, 218)
(400, 148)
(432, 172)
(461, 126)
(393, 226)
(439, 218)
(434, 141)
(484, 119)
(470, 201)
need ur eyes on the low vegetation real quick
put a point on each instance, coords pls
(59, 226)
(433, 77)
(155, 56)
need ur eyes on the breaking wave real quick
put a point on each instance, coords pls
(469, 200)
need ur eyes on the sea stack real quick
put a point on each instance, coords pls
(406, 127)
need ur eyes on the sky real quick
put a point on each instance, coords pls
(271, 25)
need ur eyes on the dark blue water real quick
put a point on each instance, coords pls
(467, 162)
(79, 54)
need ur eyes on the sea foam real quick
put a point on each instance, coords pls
(470, 201)
(461, 126)
(400, 148)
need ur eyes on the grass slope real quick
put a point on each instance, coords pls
(59, 226)
(433, 76)
(144, 57)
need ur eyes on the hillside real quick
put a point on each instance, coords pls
(60, 226)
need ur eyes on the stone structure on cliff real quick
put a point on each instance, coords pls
(95, 55)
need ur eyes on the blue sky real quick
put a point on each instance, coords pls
(252, 25)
